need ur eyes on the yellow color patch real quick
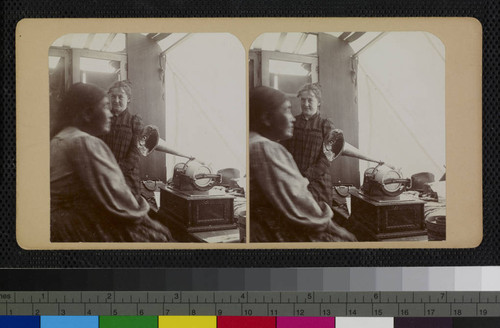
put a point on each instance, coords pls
(187, 322)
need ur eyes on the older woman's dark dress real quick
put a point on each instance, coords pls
(90, 200)
(122, 140)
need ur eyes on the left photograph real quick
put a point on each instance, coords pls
(147, 138)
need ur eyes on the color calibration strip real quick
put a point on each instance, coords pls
(239, 322)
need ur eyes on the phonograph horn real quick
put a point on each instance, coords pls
(150, 140)
(339, 147)
(351, 151)
(386, 181)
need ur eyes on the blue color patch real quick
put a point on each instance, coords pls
(15, 321)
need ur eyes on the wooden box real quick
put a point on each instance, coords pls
(196, 213)
(388, 219)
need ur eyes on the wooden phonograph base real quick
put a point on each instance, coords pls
(381, 219)
(196, 212)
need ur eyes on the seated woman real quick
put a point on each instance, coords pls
(282, 209)
(90, 200)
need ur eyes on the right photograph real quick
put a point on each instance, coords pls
(347, 137)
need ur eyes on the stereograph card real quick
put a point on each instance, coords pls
(404, 91)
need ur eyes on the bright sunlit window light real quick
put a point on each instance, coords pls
(96, 65)
(287, 67)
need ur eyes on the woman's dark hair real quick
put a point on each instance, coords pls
(263, 99)
(125, 85)
(77, 99)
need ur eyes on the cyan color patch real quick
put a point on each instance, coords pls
(69, 322)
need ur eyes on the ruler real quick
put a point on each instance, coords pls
(252, 303)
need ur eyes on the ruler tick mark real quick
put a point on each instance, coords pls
(451, 305)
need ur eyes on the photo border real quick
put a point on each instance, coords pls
(463, 113)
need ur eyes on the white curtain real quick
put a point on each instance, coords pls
(206, 100)
(401, 98)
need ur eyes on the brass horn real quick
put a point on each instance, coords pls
(337, 144)
(351, 151)
(150, 140)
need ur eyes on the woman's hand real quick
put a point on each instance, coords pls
(333, 145)
(327, 150)
(340, 233)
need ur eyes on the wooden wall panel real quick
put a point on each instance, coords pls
(339, 100)
(147, 98)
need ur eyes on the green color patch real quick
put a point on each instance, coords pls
(128, 322)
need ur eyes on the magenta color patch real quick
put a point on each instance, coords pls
(305, 322)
